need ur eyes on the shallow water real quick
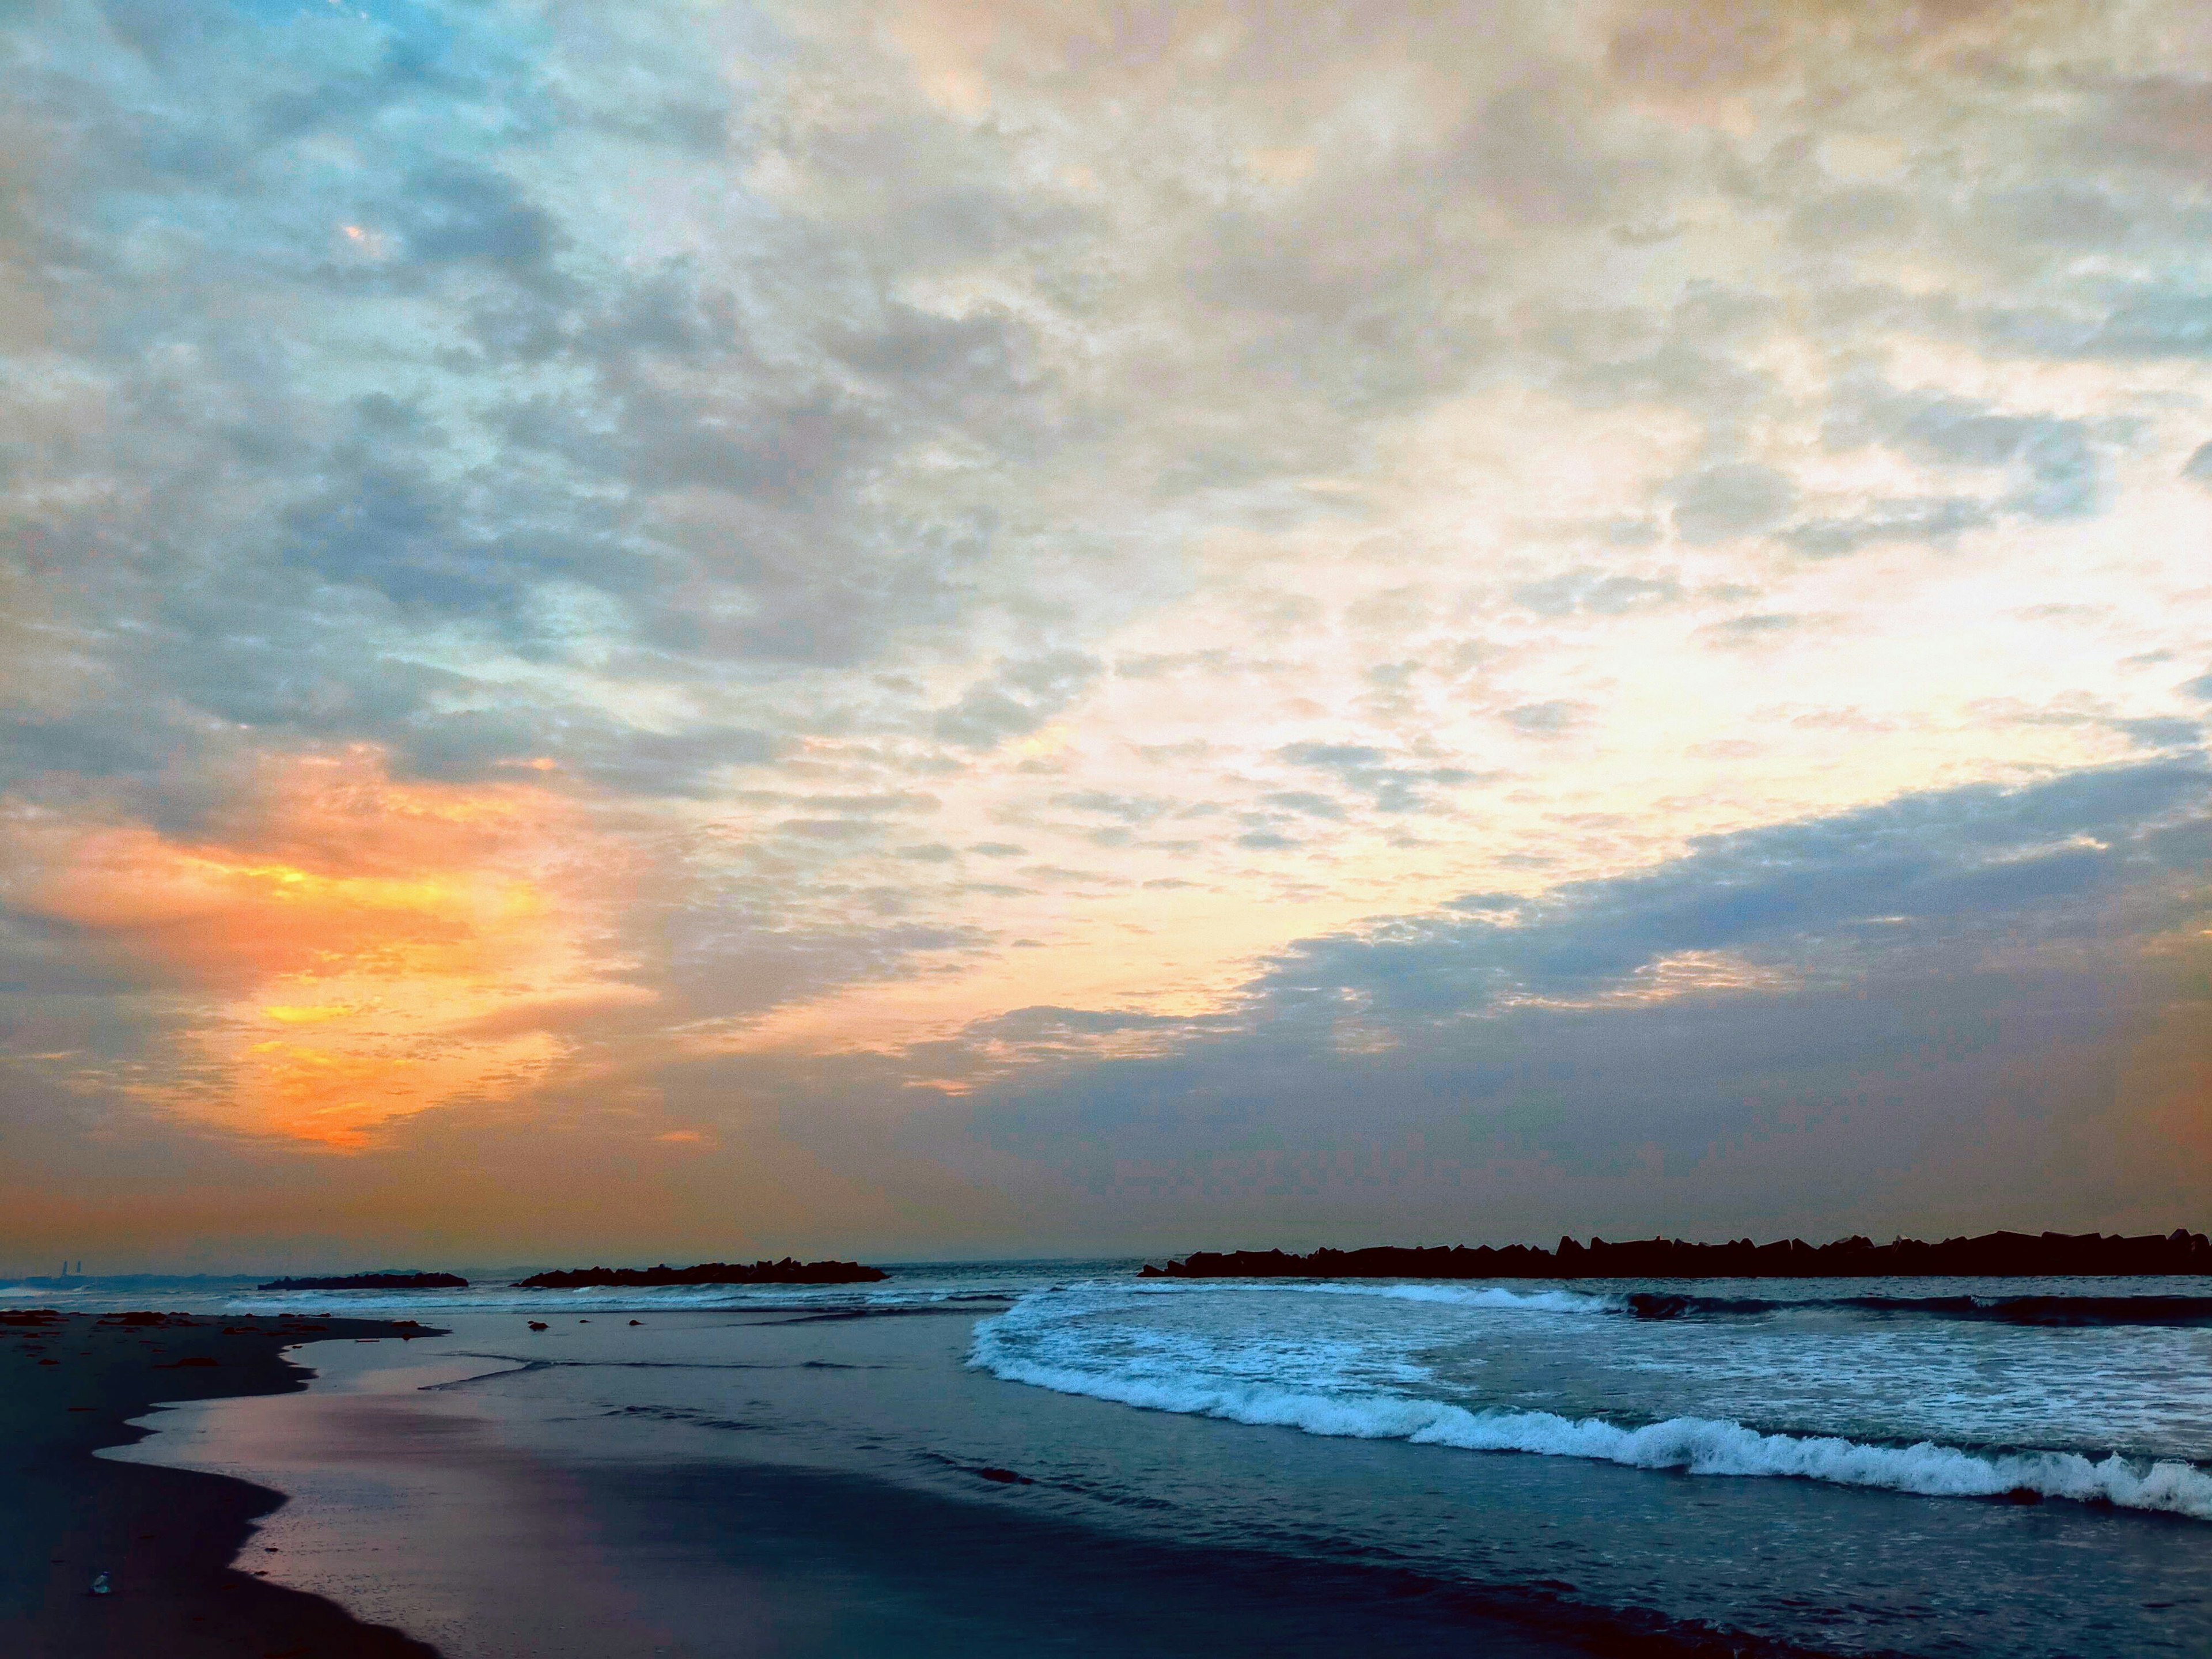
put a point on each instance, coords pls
(1817, 1467)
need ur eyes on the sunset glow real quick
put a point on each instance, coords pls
(1065, 623)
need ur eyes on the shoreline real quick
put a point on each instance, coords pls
(168, 1538)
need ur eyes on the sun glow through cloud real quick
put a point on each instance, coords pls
(380, 927)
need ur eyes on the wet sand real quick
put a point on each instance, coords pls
(166, 1537)
(809, 1563)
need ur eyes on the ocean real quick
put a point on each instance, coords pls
(1059, 1458)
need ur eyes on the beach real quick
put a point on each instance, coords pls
(1022, 1457)
(168, 1539)
(1380, 827)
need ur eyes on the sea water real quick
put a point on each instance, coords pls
(1862, 1384)
(1931, 1468)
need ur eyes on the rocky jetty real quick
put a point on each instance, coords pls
(785, 1272)
(373, 1282)
(2037, 1255)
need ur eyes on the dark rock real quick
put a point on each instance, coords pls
(373, 1282)
(785, 1272)
(1996, 1254)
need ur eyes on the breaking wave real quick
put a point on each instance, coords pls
(1463, 1296)
(1694, 1445)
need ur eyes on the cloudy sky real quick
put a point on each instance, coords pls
(947, 628)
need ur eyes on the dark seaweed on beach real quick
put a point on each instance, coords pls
(785, 1272)
(2007, 1255)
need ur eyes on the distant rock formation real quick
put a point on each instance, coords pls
(2047, 1255)
(373, 1282)
(785, 1272)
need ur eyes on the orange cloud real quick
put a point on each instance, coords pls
(363, 948)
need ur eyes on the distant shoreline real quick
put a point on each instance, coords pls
(785, 1272)
(2006, 1255)
(372, 1282)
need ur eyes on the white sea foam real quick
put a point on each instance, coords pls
(1465, 1295)
(1576, 1302)
(1009, 1348)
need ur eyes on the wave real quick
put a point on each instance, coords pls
(1694, 1445)
(1454, 1295)
(2054, 1311)
(1514, 1301)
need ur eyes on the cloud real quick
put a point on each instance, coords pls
(2162, 732)
(1754, 628)
(1547, 720)
(630, 504)
(2052, 457)
(1129, 809)
(1591, 592)
(1019, 698)
(2158, 325)
(1391, 788)
(1817, 1004)
(356, 948)
(480, 743)
(1935, 520)
(1305, 801)
(1974, 859)
(1732, 500)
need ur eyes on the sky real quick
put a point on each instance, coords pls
(949, 628)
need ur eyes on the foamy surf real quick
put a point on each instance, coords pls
(1462, 1296)
(1690, 1445)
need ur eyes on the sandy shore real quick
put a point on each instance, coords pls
(167, 1538)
